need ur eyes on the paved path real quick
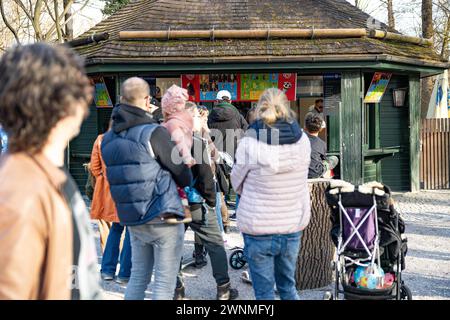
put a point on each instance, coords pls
(427, 216)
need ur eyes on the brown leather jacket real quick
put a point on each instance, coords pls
(36, 235)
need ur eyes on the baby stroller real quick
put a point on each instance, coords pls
(367, 231)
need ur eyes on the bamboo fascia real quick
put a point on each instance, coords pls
(242, 34)
(380, 34)
(270, 33)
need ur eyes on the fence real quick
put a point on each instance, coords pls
(435, 148)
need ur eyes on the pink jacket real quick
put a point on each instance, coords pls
(180, 126)
(272, 182)
(178, 120)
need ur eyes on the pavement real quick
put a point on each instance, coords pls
(427, 274)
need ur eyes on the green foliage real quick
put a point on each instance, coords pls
(112, 6)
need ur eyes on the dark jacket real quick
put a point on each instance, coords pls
(222, 117)
(202, 173)
(281, 132)
(141, 174)
(318, 156)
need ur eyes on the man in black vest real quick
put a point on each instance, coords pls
(143, 173)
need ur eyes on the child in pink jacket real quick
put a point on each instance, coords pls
(180, 124)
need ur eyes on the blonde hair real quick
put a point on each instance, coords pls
(273, 105)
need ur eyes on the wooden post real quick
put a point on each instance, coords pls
(352, 158)
(414, 131)
(316, 249)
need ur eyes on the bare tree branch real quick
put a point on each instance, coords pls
(24, 9)
(7, 24)
(49, 11)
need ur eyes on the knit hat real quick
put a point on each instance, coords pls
(174, 100)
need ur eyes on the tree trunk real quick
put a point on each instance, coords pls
(316, 249)
(391, 17)
(69, 25)
(427, 32)
(427, 19)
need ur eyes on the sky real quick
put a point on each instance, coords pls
(406, 16)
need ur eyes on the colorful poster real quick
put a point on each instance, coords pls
(287, 82)
(253, 85)
(243, 87)
(101, 96)
(192, 84)
(378, 86)
(211, 84)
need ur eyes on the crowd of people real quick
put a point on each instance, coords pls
(154, 179)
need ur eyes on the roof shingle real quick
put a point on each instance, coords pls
(241, 14)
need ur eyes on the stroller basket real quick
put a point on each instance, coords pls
(367, 229)
(353, 293)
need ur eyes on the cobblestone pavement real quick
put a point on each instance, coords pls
(427, 216)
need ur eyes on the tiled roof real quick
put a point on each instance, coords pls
(241, 14)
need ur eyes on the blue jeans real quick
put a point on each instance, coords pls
(272, 259)
(158, 246)
(111, 253)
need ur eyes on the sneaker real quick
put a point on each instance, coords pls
(107, 277)
(227, 229)
(233, 217)
(122, 281)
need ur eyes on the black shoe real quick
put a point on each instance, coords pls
(225, 292)
(200, 259)
(227, 229)
(233, 217)
(179, 293)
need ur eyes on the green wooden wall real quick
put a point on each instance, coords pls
(351, 128)
(81, 147)
(394, 131)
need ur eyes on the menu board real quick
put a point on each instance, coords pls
(101, 94)
(331, 93)
(253, 85)
(243, 87)
(211, 84)
(380, 81)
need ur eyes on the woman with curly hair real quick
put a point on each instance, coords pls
(47, 248)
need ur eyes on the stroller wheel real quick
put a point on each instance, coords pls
(405, 293)
(237, 259)
(328, 296)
